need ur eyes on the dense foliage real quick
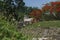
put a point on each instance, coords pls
(14, 10)
(10, 8)
(53, 9)
(9, 32)
(36, 13)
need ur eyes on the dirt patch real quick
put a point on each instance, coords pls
(52, 33)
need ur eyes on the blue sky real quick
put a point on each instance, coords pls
(36, 3)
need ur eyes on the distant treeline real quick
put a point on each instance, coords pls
(11, 9)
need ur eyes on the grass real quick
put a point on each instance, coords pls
(49, 24)
(46, 24)
(32, 29)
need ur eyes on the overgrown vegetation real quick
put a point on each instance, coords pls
(11, 13)
(36, 30)
(8, 31)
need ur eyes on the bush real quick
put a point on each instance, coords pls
(47, 16)
(8, 31)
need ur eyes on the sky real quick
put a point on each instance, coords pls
(36, 3)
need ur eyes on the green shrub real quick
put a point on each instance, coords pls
(47, 16)
(8, 31)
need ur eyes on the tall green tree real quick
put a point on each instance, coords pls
(11, 7)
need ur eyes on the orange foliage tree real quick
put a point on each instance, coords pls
(53, 8)
(56, 6)
(46, 8)
(36, 14)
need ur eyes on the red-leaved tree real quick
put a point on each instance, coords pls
(53, 8)
(36, 14)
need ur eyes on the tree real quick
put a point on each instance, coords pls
(28, 10)
(11, 7)
(36, 14)
(53, 8)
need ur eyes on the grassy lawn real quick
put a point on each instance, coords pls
(48, 24)
(44, 24)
